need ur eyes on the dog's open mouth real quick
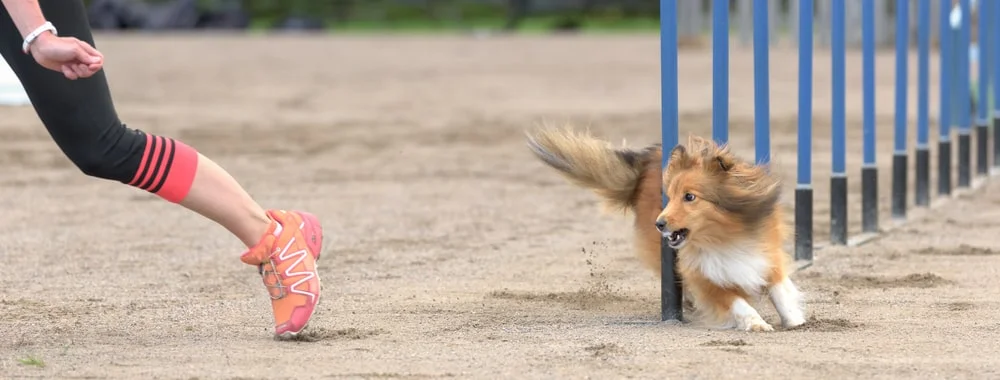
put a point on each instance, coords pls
(675, 239)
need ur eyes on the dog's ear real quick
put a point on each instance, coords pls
(717, 159)
(679, 158)
(723, 163)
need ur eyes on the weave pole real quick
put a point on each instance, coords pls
(995, 41)
(923, 194)
(994, 10)
(983, 87)
(869, 166)
(899, 154)
(803, 186)
(720, 70)
(964, 97)
(838, 174)
(946, 98)
(762, 107)
(670, 286)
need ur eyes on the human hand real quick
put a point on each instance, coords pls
(73, 58)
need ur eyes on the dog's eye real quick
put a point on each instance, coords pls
(688, 197)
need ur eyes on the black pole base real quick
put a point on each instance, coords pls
(899, 185)
(671, 308)
(923, 192)
(982, 149)
(944, 168)
(964, 159)
(869, 199)
(996, 141)
(838, 209)
(804, 223)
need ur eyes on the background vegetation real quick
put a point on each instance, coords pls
(522, 15)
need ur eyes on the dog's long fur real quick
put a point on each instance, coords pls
(733, 251)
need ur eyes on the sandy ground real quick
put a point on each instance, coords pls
(450, 251)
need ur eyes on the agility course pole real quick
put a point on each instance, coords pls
(838, 129)
(670, 286)
(964, 97)
(994, 10)
(869, 167)
(761, 80)
(803, 186)
(899, 154)
(983, 85)
(720, 71)
(923, 154)
(947, 49)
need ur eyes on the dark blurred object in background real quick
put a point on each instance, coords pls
(300, 23)
(166, 15)
(228, 14)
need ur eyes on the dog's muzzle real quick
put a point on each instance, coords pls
(675, 239)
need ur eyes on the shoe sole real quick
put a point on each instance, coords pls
(312, 223)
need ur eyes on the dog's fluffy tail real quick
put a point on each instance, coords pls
(612, 173)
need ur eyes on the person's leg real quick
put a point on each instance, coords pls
(73, 110)
(81, 118)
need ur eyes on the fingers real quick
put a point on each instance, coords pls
(87, 54)
(90, 60)
(75, 71)
(82, 71)
(68, 72)
(91, 50)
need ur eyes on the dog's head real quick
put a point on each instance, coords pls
(714, 197)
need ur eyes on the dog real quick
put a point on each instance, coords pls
(723, 219)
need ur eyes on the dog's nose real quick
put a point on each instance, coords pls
(661, 225)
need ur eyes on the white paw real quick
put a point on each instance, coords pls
(758, 325)
(794, 321)
(754, 324)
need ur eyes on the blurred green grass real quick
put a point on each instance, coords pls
(528, 25)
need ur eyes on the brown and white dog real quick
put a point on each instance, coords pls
(723, 219)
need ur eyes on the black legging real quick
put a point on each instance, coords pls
(80, 115)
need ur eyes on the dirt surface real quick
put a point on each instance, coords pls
(450, 251)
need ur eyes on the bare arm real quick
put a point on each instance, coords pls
(27, 15)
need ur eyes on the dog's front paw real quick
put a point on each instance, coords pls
(795, 321)
(760, 326)
(754, 324)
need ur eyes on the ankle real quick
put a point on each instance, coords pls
(258, 225)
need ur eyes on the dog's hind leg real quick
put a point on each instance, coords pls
(787, 301)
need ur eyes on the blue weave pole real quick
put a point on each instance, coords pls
(964, 97)
(994, 9)
(670, 286)
(899, 154)
(945, 107)
(985, 47)
(720, 70)
(923, 156)
(838, 174)
(804, 188)
(761, 90)
(869, 166)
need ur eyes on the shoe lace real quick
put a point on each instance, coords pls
(268, 270)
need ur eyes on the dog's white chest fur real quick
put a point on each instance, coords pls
(733, 266)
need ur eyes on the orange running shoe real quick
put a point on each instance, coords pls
(286, 259)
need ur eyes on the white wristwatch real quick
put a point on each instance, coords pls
(46, 27)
